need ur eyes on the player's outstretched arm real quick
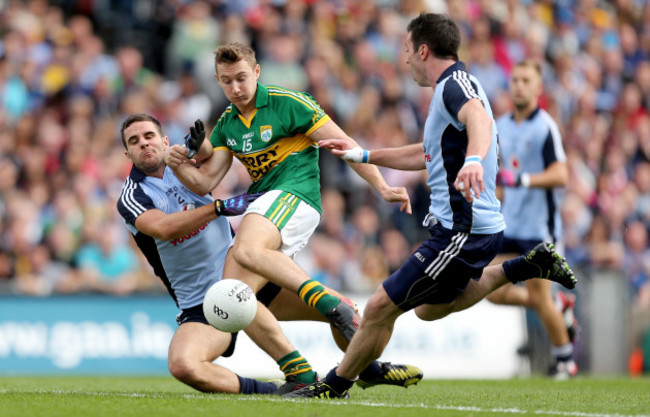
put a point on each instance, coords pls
(406, 158)
(370, 173)
(163, 226)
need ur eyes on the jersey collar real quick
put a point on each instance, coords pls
(533, 114)
(261, 99)
(458, 66)
(530, 116)
(136, 175)
(262, 96)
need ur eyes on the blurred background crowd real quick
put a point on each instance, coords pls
(72, 70)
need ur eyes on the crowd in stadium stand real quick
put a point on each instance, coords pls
(70, 72)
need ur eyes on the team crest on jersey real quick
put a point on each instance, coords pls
(515, 163)
(189, 206)
(266, 133)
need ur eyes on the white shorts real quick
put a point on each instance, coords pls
(295, 219)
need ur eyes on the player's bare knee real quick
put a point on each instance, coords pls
(245, 256)
(379, 310)
(184, 370)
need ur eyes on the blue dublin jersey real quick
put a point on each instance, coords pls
(530, 147)
(445, 148)
(190, 264)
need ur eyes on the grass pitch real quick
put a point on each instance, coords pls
(163, 396)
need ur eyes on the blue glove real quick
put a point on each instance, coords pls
(194, 139)
(236, 205)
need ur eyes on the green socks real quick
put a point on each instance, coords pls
(296, 366)
(315, 295)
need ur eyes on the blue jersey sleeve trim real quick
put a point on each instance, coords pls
(552, 150)
(133, 201)
(459, 89)
(548, 150)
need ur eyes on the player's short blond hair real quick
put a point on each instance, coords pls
(233, 53)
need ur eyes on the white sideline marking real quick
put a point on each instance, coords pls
(468, 408)
(339, 402)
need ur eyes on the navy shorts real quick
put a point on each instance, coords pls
(441, 267)
(268, 293)
(195, 315)
(519, 246)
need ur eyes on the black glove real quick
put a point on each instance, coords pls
(236, 205)
(194, 139)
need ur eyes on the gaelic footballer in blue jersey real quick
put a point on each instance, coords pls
(185, 238)
(449, 271)
(533, 175)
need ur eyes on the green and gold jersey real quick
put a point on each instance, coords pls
(273, 144)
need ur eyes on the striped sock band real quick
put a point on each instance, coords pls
(295, 365)
(315, 295)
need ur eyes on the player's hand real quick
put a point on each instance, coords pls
(347, 149)
(470, 181)
(398, 195)
(236, 205)
(194, 139)
(506, 177)
(176, 155)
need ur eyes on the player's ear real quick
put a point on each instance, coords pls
(423, 50)
(128, 156)
(256, 71)
(165, 140)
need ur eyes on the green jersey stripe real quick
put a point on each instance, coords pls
(303, 95)
(299, 97)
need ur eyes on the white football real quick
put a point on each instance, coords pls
(229, 305)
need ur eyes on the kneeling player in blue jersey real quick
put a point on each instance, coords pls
(185, 237)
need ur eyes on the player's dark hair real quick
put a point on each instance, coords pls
(438, 32)
(139, 117)
(233, 53)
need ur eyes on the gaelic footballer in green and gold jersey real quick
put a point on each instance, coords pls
(273, 143)
(274, 132)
